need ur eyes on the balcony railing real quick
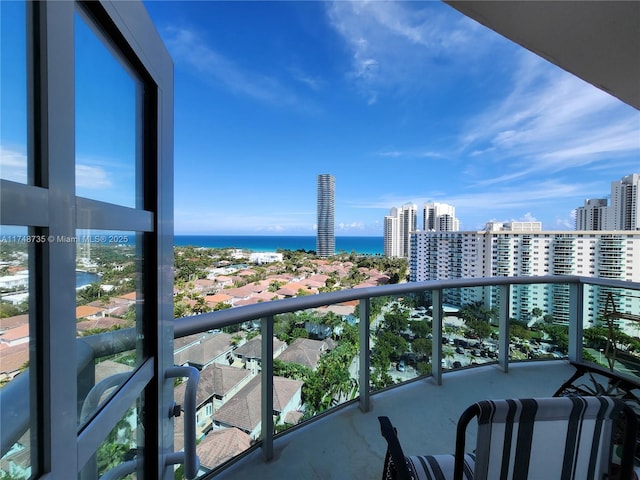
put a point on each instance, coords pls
(15, 416)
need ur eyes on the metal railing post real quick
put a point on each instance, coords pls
(266, 433)
(365, 359)
(504, 293)
(576, 305)
(436, 337)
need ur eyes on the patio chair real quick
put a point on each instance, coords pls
(545, 438)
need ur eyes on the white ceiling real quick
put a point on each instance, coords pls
(598, 41)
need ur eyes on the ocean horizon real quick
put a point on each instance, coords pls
(271, 243)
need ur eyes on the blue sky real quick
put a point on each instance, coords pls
(401, 102)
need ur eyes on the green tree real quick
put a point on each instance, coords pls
(89, 293)
(420, 328)
(480, 328)
(396, 320)
(423, 368)
(422, 347)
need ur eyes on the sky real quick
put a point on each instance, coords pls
(400, 102)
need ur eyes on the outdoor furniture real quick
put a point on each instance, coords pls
(544, 438)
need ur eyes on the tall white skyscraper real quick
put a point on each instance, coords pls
(398, 226)
(391, 234)
(624, 209)
(439, 217)
(592, 215)
(622, 213)
(325, 239)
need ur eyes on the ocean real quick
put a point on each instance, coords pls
(270, 243)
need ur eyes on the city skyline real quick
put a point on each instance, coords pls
(402, 102)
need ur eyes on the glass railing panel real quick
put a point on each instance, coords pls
(470, 327)
(16, 348)
(228, 399)
(611, 335)
(400, 339)
(538, 328)
(122, 449)
(318, 349)
(109, 312)
(13, 91)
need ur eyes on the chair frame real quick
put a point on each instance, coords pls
(396, 456)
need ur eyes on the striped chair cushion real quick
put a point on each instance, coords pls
(438, 467)
(559, 438)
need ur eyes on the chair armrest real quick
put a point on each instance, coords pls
(394, 449)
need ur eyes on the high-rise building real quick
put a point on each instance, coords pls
(622, 213)
(523, 249)
(624, 210)
(391, 235)
(398, 226)
(439, 217)
(326, 239)
(592, 215)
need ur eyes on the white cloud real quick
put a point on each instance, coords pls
(189, 47)
(92, 177)
(315, 83)
(527, 217)
(397, 45)
(13, 164)
(351, 226)
(550, 121)
(411, 154)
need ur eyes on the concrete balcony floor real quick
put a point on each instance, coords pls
(347, 444)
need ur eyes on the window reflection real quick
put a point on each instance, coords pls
(122, 448)
(13, 92)
(14, 342)
(107, 122)
(109, 311)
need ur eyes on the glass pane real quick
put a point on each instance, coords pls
(469, 327)
(108, 140)
(612, 331)
(15, 350)
(228, 413)
(122, 448)
(13, 92)
(109, 312)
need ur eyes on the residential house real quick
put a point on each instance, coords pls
(218, 383)
(307, 352)
(204, 349)
(243, 409)
(251, 353)
(219, 446)
(87, 311)
(213, 300)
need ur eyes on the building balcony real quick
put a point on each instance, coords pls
(347, 444)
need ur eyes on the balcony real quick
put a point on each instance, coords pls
(343, 441)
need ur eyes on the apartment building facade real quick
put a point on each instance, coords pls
(398, 226)
(592, 215)
(622, 213)
(439, 217)
(512, 251)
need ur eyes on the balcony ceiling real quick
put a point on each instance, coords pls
(597, 41)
